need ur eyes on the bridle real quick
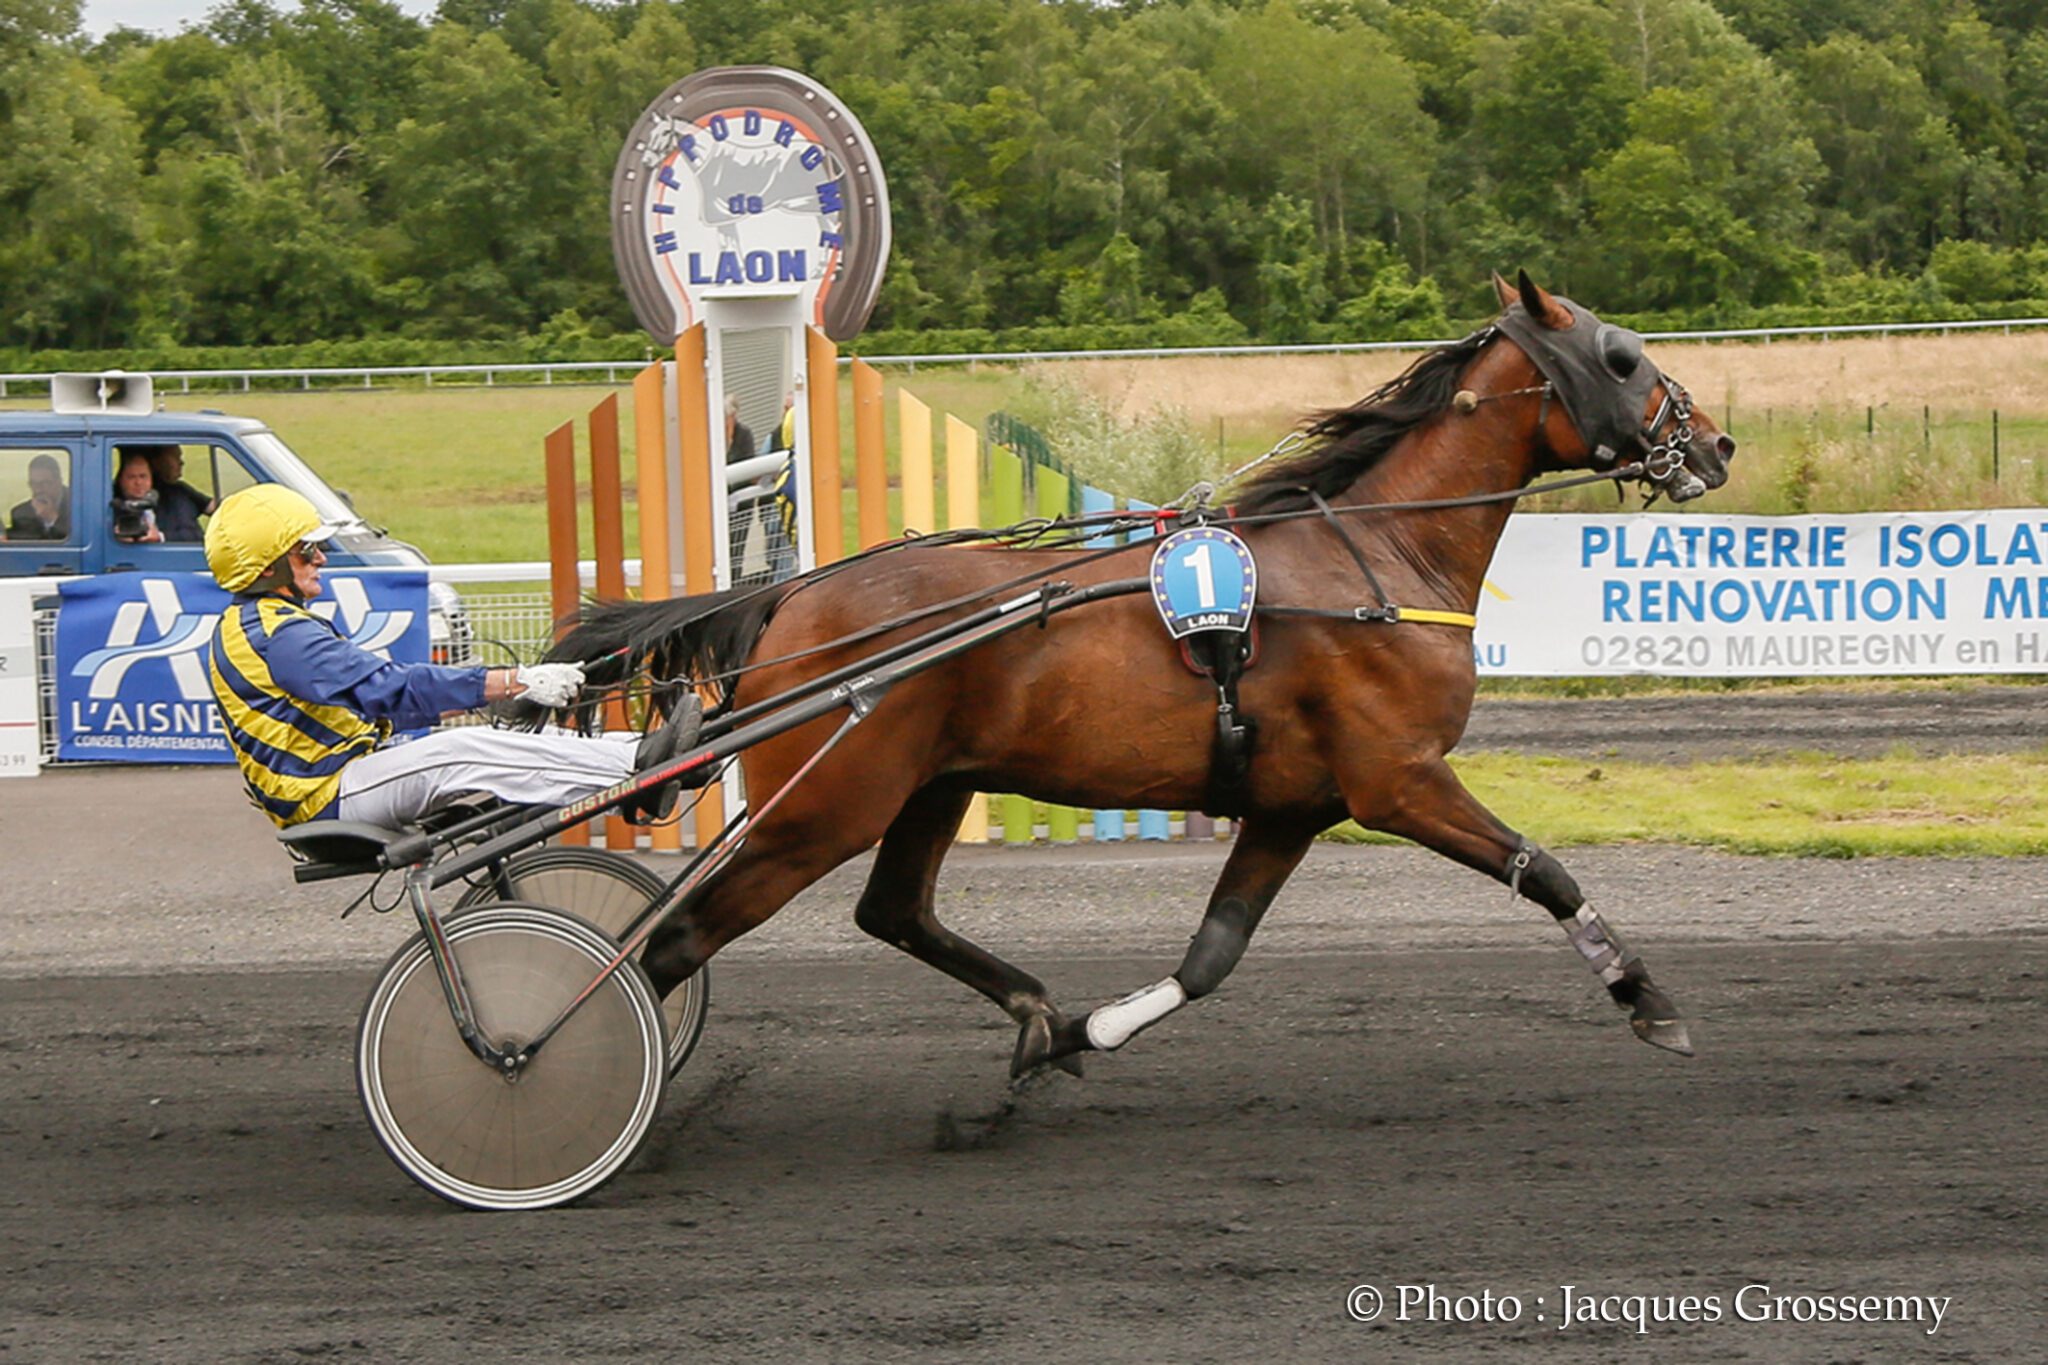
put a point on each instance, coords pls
(1601, 376)
(1664, 470)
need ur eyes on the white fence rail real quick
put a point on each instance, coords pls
(615, 372)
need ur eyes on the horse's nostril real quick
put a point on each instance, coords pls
(1724, 446)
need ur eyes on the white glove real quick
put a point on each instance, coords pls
(550, 684)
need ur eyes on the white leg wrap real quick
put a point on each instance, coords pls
(1604, 953)
(1112, 1025)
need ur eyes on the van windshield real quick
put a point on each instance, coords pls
(288, 469)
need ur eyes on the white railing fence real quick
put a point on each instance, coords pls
(617, 372)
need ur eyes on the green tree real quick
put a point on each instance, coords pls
(1709, 201)
(359, 58)
(263, 264)
(1546, 107)
(75, 254)
(1361, 162)
(1292, 293)
(494, 228)
(172, 88)
(1112, 290)
(1895, 165)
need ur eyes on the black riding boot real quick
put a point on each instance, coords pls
(677, 734)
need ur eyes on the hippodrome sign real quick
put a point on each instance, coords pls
(746, 180)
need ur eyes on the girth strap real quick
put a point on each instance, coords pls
(1222, 656)
(1388, 615)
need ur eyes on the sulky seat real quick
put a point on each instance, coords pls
(326, 849)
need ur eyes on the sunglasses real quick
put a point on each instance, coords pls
(310, 550)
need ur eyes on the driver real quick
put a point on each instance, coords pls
(308, 714)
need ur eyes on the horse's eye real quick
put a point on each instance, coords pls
(1621, 351)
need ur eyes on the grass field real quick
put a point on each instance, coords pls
(1816, 805)
(1851, 425)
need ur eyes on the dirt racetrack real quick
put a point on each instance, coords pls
(1408, 1082)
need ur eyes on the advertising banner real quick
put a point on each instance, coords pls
(133, 683)
(1809, 596)
(19, 755)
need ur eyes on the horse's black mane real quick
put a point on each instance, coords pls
(1345, 442)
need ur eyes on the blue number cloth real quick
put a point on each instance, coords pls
(1203, 578)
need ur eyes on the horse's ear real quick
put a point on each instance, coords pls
(1539, 305)
(1504, 289)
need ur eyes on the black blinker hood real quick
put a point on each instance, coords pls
(1606, 410)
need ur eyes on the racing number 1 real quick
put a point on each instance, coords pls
(1205, 576)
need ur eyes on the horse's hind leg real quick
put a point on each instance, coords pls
(1433, 808)
(786, 852)
(897, 907)
(1265, 854)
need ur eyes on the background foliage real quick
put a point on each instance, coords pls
(1062, 174)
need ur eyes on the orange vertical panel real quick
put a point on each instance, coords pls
(693, 407)
(650, 463)
(828, 504)
(608, 534)
(564, 591)
(650, 459)
(870, 467)
(695, 412)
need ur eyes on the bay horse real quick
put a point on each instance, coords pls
(1097, 710)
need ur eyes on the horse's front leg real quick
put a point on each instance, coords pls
(1432, 807)
(1266, 852)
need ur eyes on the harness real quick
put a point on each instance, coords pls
(1603, 386)
(1595, 370)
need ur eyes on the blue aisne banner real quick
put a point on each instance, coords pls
(133, 682)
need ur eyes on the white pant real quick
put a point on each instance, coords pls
(398, 785)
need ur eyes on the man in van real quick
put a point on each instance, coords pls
(179, 504)
(308, 714)
(47, 513)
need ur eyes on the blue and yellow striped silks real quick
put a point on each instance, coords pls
(291, 751)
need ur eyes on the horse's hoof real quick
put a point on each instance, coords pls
(1046, 1038)
(1668, 1034)
(1034, 1045)
(1656, 1020)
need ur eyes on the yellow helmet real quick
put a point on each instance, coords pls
(250, 529)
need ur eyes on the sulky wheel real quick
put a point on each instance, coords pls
(612, 892)
(570, 1119)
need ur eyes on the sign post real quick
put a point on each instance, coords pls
(749, 200)
(750, 226)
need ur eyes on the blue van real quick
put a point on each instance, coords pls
(58, 471)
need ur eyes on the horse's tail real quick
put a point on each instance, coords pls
(682, 644)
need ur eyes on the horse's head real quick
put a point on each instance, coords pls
(1613, 405)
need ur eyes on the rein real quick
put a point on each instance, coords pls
(1386, 613)
(1662, 468)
